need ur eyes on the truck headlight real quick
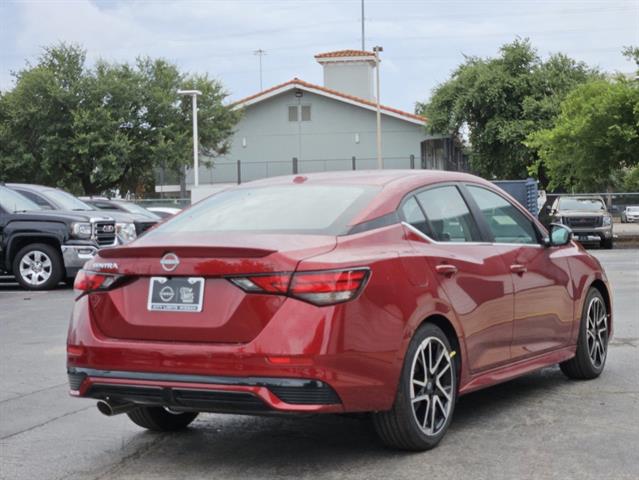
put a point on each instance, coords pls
(81, 230)
(607, 221)
(125, 232)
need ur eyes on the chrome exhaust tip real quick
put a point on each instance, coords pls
(110, 409)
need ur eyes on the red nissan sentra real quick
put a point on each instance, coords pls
(390, 292)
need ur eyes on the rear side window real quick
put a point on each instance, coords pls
(506, 222)
(448, 215)
(413, 215)
(303, 209)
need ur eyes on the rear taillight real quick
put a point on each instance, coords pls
(88, 281)
(319, 288)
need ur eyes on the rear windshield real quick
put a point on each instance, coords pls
(303, 209)
(573, 203)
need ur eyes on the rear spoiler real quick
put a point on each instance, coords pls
(184, 252)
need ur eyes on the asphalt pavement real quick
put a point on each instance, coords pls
(536, 427)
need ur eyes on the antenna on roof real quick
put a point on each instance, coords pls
(260, 53)
(363, 36)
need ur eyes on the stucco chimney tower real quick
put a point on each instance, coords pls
(349, 71)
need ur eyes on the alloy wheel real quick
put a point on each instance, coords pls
(597, 332)
(431, 389)
(35, 267)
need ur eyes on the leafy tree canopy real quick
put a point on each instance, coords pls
(93, 129)
(501, 101)
(594, 142)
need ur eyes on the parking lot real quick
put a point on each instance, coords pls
(539, 426)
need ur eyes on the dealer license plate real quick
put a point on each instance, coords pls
(176, 294)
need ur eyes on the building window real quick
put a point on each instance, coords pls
(294, 113)
(306, 113)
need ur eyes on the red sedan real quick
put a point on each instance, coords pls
(390, 292)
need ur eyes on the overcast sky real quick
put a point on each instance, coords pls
(423, 40)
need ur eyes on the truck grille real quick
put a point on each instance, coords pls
(104, 232)
(583, 222)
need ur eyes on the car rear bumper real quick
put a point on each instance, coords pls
(206, 393)
(313, 350)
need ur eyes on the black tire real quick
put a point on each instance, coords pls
(607, 243)
(582, 366)
(399, 427)
(55, 271)
(160, 420)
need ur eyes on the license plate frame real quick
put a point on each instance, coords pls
(176, 294)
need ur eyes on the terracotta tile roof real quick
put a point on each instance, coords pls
(302, 83)
(345, 53)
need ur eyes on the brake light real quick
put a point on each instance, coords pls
(328, 288)
(318, 287)
(88, 281)
(275, 283)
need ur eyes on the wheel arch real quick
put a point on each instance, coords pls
(603, 289)
(20, 241)
(453, 337)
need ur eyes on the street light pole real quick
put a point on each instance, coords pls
(380, 162)
(196, 158)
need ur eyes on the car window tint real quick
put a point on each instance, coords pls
(506, 222)
(413, 215)
(299, 209)
(448, 215)
(37, 199)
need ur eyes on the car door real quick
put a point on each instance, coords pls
(541, 276)
(474, 277)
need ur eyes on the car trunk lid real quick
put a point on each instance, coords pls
(228, 315)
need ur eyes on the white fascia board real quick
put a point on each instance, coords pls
(350, 101)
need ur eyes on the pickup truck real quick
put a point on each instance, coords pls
(586, 215)
(41, 248)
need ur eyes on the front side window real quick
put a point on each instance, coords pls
(448, 215)
(66, 200)
(37, 199)
(506, 222)
(303, 209)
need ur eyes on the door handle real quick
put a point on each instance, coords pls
(446, 269)
(518, 269)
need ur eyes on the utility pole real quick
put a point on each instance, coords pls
(363, 35)
(196, 170)
(380, 162)
(260, 53)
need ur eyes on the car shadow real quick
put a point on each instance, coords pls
(292, 446)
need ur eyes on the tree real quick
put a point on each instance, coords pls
(93, 129)
(500, 101)
(594, 142)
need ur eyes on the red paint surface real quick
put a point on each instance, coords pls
(507, 322)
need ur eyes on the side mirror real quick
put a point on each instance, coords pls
(559, 235)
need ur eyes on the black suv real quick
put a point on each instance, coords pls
(586, 215)
(41, 248)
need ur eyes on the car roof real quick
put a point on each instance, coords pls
(367, 177)
(31, 186)
(394, 184)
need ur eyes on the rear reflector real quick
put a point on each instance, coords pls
(319, 288)
(87, 281)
